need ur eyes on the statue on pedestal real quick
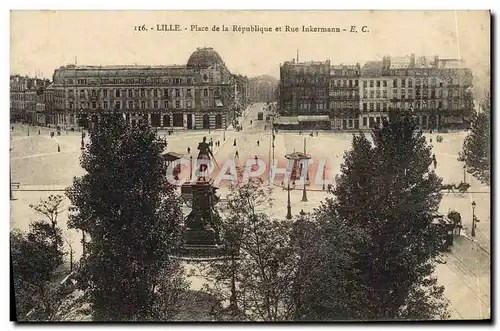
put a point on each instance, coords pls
(204, 155)
(202, 222)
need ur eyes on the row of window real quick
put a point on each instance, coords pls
(312, 69)
(344, 105)
(383, 106)
(408, 82)
(310, 80)
(430, 72)
(131, 93)
(321, 92)
(132, 105)
(345, 93)
(432, 94)
(344, 83)
(308, 105)
(176, 80)
(344, 72)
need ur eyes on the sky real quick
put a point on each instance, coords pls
(42, 41)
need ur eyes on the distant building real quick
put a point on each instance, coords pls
(239, 93)
(263, 89)
(197, 95)
(27, 98)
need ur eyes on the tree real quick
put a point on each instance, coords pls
(133, 218)
(34, 262)
(476, 151)
(327, 284)
(51, 208)
(389, 190)
(260, 268)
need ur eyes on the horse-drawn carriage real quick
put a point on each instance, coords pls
(462, 187)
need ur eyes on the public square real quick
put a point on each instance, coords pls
(41, 170)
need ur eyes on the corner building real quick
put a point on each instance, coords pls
(197, 95)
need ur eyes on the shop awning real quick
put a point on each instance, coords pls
(314, 118)
(286, 120)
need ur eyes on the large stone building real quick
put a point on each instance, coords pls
(438, 92)
(198, 95)
(344, 96)
(304, 94)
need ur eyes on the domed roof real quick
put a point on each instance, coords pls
(203, 58)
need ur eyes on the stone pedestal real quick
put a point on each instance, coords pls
(202, 222)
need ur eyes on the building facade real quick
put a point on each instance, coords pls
(304, 93)
(239, 94)
(344, 102)
(198, 95)
(438, 91)
(27, 98)
(375, 95)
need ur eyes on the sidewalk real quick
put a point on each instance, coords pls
(466, 276)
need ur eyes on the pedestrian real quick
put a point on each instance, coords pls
(234, 143)
(431, 140)
(434, 160)
(218, 143)
(58, 148)
(236, 155)
(189, 150)
(251, 122)
(38, 131)
(257, 143)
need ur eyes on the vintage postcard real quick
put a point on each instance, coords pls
(250, 165)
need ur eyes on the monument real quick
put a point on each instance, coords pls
(202, 223)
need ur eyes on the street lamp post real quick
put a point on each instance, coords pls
(304, 191)
(324, 177)
(288, 206)
(464, 172)
(473, 231)
(191, 167)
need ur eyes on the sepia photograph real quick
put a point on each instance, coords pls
(250, 166)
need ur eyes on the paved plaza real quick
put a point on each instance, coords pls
(41, 170)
